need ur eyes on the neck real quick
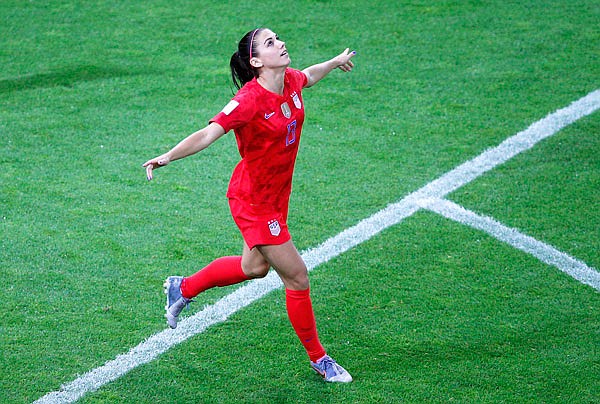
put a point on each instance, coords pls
(272, 80)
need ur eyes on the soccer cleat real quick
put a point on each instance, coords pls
(330, 370)
(175, 301)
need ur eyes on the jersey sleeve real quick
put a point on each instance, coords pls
(238, 112)
(298, 76)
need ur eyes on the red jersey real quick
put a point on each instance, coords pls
(267, 128)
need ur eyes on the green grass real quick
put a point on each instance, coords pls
(428, 311)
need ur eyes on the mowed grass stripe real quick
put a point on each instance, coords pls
(363, 231)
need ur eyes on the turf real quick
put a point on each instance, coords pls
(427, 311)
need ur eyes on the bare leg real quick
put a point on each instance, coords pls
(254, 264)
(288, 263)
(293, 272)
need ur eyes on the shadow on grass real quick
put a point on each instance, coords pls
(64, 78)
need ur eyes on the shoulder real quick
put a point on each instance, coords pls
(247, 95)
(241, 108)
(296, 77)
(248, 90)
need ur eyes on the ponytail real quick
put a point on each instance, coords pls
(241, 69)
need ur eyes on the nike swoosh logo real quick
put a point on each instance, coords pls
(267, 116)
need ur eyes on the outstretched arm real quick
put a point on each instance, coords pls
(316, 72)
(194, 143)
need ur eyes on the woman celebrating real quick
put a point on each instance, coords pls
(266, 115)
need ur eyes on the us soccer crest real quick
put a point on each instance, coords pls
(285, 108)
(296, 100)
(274, 227)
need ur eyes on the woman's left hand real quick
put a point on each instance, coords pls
(343, 60)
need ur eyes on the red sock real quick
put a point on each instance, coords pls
(223, 271)
(302, 317)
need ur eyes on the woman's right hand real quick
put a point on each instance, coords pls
(154, 163)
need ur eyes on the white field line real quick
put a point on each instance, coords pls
(544, 252)
(357, 234)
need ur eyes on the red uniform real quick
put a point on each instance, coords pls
(267, 127)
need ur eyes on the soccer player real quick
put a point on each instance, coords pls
(266, 115)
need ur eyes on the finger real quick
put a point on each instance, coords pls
(149, 168)
(347, 67)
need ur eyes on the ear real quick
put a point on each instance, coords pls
(256, 63)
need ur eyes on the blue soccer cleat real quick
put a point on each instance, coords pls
(175, 301)
(330, 370)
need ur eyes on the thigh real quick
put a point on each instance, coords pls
(254, 264)
(259, 225)
(288, 263)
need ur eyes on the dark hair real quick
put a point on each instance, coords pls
(241, 69)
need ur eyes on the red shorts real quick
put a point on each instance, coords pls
(259, 226)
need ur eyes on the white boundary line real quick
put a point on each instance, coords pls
(542, 251)
(361, 232)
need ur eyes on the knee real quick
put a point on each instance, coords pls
(256, 270)
(300, 282)
(297, 280)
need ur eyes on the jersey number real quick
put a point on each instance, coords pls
(291, 133)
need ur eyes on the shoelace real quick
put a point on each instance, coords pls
(187, 302)
(329, 363)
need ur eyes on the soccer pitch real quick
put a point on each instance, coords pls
(446, 198)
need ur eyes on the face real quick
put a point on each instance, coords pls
(270, 50)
